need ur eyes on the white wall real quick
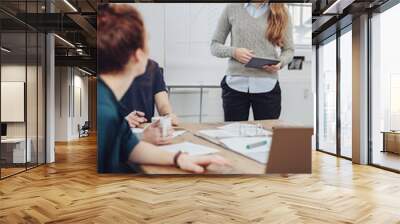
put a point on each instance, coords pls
(33, 126)
(79, 117)
(17, 73)
(179, 39)
(61, 103)
(12, 73)
(71, 93)
(314, 90)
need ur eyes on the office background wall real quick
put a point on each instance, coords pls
(180, 36)
(71, 102)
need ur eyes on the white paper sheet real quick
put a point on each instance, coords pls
(178, 133)
(190, 148)
(240, 144)
(139, 132)
(217, 133)
(248, 130)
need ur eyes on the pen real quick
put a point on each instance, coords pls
(257, 144)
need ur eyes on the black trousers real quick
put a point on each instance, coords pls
(237, 104)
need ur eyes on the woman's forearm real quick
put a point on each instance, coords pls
(145, 153)
(162, 103)
(222, 51)
(288, 45)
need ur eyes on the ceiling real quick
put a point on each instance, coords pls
(331, 15)
(72, 20)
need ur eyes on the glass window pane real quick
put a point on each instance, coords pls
(346, 94)
(41, 98)
(13, 86)
(327, 97)
(386, 89)
(23, 85)
(31, 97)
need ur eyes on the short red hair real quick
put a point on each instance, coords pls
(120, 32)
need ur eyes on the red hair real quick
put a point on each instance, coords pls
(278, 19)
(120, 32)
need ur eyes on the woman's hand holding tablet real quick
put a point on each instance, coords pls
(272, 68)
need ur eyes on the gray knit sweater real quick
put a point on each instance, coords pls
(248, 32)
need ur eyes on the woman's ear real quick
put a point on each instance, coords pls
(139, 59)
(136, 57)
(139, 55)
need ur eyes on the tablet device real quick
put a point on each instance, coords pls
(260, 62)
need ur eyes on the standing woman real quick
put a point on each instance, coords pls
(257, 30)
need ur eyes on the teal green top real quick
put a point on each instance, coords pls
(115, 140)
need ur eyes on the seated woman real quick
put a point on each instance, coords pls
(145, 92)
(148, 90)
(122, 56)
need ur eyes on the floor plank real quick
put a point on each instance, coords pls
(70, 191)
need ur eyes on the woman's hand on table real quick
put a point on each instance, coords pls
(272, 68)
(198, 164)
(135, 119)
(174, 119)
(153, 134)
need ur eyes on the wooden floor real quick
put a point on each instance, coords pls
(70, 191)
(5, 172)
(387, 159)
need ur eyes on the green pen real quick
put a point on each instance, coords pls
(257, 144)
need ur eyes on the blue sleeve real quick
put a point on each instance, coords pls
(159, 83)
(129, 142)
(115, 142)
(105, 140)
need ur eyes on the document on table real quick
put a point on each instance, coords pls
(178, 133)
(190, 148)
(217, 133)
(139, 132)
(240, 129)
(239, 145)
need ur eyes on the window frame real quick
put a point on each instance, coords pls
(334, 37)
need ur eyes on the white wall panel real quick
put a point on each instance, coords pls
(12, 101)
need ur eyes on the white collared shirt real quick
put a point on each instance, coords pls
(252, 84)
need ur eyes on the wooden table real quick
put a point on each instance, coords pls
(391, 141)
(241, 164)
